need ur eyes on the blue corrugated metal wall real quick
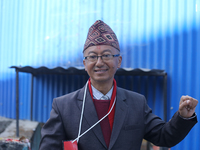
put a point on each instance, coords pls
(152, 34)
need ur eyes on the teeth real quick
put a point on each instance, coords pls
(100, 70)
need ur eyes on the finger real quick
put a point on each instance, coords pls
(186, 104)
(183, 105)
(186, 97)
(189, 104)
(193, 103)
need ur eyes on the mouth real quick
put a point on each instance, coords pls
(100, 70)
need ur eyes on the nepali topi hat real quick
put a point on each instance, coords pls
(101, 34)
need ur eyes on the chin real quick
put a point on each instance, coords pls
(101, 79)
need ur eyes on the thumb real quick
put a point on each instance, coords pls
(184, 104)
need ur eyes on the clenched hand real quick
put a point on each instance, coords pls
(187, 106)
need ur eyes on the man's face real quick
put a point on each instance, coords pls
(101, 71)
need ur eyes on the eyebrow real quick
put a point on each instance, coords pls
(106, 50)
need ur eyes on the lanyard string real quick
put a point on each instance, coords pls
(79, 136)
(80, 123)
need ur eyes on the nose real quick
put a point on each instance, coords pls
(99, 61)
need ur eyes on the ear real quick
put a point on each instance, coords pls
(119, 61)
(84, 64)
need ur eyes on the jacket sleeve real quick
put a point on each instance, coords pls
(166, 134)
(52, 133)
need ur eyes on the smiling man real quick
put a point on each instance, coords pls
(101, 63)
(102, 116)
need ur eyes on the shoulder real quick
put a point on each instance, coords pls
(131, 98)
(66, 100)
(71, 95)
(129, 93)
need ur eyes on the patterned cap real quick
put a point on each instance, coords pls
(101, 34)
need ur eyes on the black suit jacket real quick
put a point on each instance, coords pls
(133, 121)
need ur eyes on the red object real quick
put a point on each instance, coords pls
(102, 109)
(69, 145)
(112, 113)
(101, 34)
(101, 112)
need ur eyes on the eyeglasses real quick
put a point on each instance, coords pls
(94, 58)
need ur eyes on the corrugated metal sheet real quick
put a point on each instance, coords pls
(153, 34)
(144, 81)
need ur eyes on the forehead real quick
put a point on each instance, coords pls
(100, 49)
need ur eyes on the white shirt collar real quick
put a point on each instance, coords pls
(97, 94)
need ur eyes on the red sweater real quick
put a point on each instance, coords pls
(102, 109)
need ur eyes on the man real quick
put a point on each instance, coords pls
(127, 119)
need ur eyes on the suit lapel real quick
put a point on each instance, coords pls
(90, 115)
(120, 113)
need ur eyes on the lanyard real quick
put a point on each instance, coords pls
(80, 123)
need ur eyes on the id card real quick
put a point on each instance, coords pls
(69, 145)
